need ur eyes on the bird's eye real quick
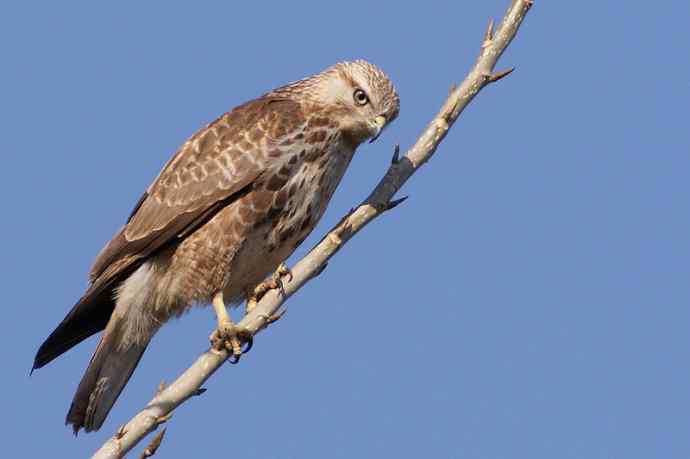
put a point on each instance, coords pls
(360, 97)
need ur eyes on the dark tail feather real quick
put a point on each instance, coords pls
(107, 374)
(90, 315)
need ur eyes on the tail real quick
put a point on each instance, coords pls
(107, 374)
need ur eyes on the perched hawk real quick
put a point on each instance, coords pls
(230, 206)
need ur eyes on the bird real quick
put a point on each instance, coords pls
(230, 206)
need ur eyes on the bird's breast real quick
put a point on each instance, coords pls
(309, 191)
(303, 200)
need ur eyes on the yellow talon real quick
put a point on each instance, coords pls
(228, 335)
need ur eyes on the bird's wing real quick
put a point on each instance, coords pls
(215, 166)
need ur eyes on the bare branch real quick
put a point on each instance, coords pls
(267, 310)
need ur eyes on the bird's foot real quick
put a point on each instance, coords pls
(231, 337)
(275, 282)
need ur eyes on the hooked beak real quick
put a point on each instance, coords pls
(379, 123)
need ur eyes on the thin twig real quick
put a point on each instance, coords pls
(188, 384)
(154, 445)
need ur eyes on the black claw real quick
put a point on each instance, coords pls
(234, 359)
(250, 343)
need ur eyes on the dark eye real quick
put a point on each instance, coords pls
(360, 97)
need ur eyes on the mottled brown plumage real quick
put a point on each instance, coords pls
(230, 206)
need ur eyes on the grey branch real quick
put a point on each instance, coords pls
(378, 202)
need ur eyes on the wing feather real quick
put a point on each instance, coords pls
(215, 166)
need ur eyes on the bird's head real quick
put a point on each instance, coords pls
(364, 96)
(358, 94)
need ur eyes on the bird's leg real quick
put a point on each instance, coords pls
(276, 281)
(228, 334)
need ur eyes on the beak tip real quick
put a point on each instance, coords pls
(380, 122)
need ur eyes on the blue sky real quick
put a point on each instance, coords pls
(530, 299)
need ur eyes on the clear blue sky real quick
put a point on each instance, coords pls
(531, 299)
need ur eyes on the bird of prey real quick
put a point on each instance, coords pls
(230, 206)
